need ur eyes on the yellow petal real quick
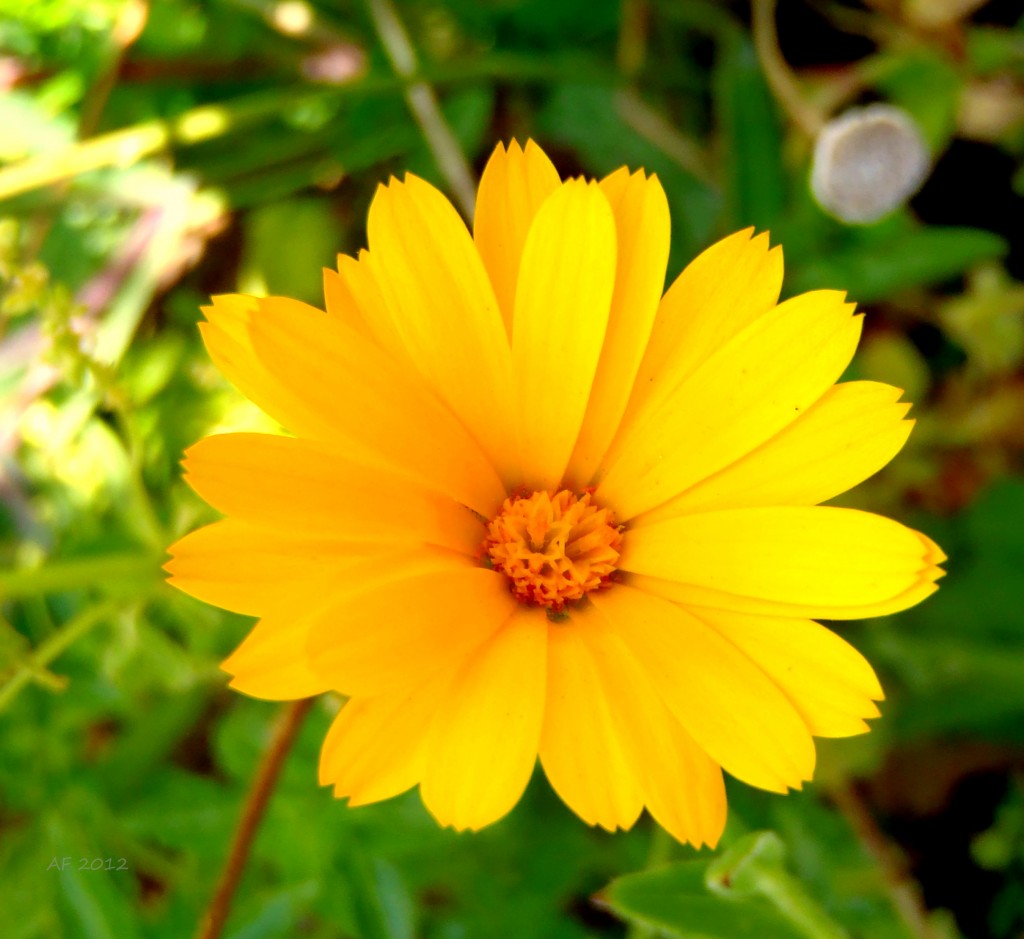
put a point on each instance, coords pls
(443, 307)
(411, 620)
(376, 746)
(682, 786)
(253, 570)
(580, 748)
(271, 662)
(376, 314)
(343, 304)
(690, 595)
(482, 745)
(828, 681)
(302, 486)
(514, 184)
(721, 292)
(730, 708)
(274, 660)
(375, 406)
(744, 394)
(642, 229)
(226, 335)
(841, 440)
(562, 303)
(828, 562)
(324, 380)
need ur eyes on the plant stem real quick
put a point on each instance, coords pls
(647, 122)
(260, 791)
(903, 890)
(780, 77)
(632, 46)
(80, 573)
(128, 146)
(36, 663)
(126, 30)
(422, 101)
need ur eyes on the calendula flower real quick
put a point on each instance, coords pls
(533, 507)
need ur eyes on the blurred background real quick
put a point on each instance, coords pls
(154, 153)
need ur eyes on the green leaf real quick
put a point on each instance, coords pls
(833, 865)
(94, 904)
(186, 812)
(984, 593)
(892, 358)
(677, 900)
(987, 321)
(287, 246)
(754, 867)
(280, 915)
(751, 137)
(1002, 844)
(991, 49)
(824, 855)
(468, 113)
(138, 758)
(873, 270)
(928, 85)
(380, 903)
(958, 656)
(587, 119)
(30, 884)
(996, 520)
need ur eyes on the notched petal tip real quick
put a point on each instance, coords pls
(500, 150)
(925, 584)
(231, 306)
(933, 553)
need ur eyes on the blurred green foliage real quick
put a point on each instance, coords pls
(156, 152)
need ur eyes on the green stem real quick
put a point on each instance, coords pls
(791, 899)
(753, 867)
(647, 122)
(128, 146)
(632, 46)
(781, 79)
(904, 892)
(422, 101)
(144, 511)
(52, 647)
(80, 573)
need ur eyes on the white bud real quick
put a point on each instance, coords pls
(292, 17)
(868, 162)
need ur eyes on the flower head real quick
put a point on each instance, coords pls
(868, 162)
(530, 506)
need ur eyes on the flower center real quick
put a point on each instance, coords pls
(553, 548)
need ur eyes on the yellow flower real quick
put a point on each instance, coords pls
(532, 507)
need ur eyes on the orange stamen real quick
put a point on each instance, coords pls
(553, 548)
